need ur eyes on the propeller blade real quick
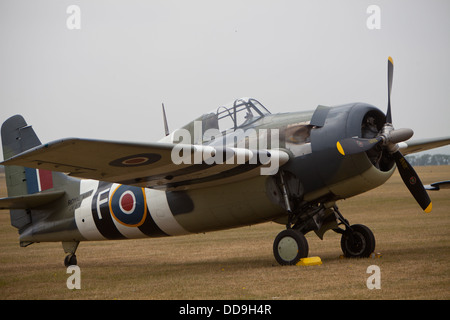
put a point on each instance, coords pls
(390, 76)
(400, 135)
(356, 145)
(412, 182)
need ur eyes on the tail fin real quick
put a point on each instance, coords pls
(24, 184)
(18, 137)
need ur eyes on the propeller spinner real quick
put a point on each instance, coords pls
(388, 138)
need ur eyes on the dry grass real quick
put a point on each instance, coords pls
(238, 263)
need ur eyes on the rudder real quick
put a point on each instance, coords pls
(17, 137)
(23, 183)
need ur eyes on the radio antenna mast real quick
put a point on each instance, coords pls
(166, 127)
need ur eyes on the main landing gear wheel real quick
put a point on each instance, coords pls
(289, 247)
(358, 242)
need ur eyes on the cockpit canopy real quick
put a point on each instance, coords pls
(225, 119)
(234, 115)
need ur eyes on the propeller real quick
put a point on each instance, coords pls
(389, 138)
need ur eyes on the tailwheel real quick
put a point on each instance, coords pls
(70, 260)
(289, 247)
(357, 241)
(70, 247)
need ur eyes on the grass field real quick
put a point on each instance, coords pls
(239, 264)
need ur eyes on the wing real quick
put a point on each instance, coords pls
(155, 165)
(422, 145)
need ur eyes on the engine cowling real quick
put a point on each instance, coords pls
(328, 176)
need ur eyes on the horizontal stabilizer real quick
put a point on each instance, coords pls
(438, 185)
(30, 201)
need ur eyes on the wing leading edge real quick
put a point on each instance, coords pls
(413, 146)
(154, 165)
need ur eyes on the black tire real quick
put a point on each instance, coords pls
(289, 247)
(70, 260)
(359, 243)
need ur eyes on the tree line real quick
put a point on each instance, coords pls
(429, 159)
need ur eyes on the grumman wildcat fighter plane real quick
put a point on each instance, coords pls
(238, 165)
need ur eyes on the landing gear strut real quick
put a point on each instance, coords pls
(290, 245)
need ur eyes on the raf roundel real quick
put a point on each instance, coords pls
(128, 205)
(127, 202)
(136, 160)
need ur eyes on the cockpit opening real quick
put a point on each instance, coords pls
(232, 116)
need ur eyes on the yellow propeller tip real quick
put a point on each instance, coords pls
(429, 208)
(390, 59)
(340, 149)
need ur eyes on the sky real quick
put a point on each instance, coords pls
(103, 70)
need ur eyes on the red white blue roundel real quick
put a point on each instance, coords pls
(136, 160)
(128, 205)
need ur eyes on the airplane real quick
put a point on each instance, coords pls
(235, 166)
